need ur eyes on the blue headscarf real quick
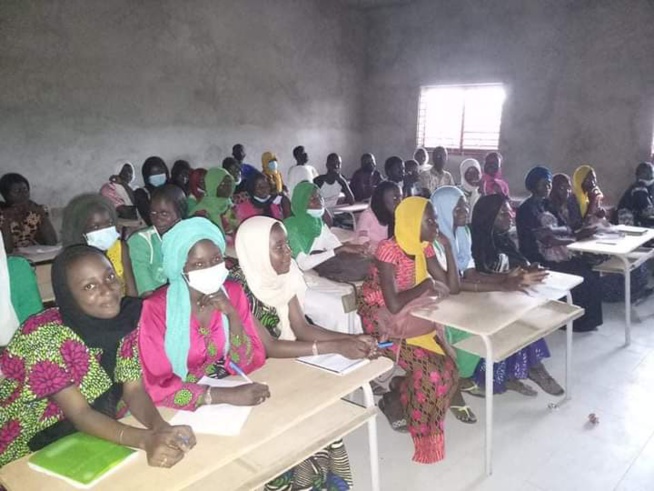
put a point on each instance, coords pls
(445, 200)
(536, 174)
(176, 244)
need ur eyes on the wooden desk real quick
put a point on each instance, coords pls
(627, 254)
(304, 413)
(504, 323)
(42, 257)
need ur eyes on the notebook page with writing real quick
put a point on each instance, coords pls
(217, 419)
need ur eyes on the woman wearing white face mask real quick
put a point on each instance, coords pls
(91, 219)
(261, 200)
(155, 174)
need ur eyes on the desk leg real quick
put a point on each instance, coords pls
(568, 355)
(489, 404)
(627, 300)
(369, 401)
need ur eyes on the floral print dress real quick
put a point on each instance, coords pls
(43, 358)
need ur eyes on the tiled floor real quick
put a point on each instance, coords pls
(538, 449)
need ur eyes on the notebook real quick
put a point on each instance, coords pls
(634, 231)
(333, 363)
(217, 419)
(80, 459)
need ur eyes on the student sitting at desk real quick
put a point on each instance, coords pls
(196, 186)
(155, 173)
(366, 178)
(636, 207)
(270, 169)
(91, 219)
(22, 221)
(301, 171)
(404, 271)
(216, 204)
(470, 181)
(333, 183)
(71, 369)
(200, 324)
(180, 175)
(436, 176)
(377, 222)
(452, 215)
(589, 195)
(492, 181)
(119, 191)
(167, 207)
(261, 200)
(534, 232)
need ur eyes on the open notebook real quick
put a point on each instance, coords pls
(217, 419)
(333, 363)
(80, 459)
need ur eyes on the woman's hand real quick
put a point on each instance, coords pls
(355, 347)
(243, 395)
(218, 301)
(444, 241)
(164, 446)
(586, 233)
(435, 288)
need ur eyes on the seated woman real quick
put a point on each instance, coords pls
(76, 368)
(314, 246)
(91, 219)
(470, 181)
(119, 191)
(636, 206)
(534, 232)
(196, 186)
(22, 221)
(261, 201)
(452, 215)
(404, 271)
(167, 207)
(270, 169)
(589, 195)
(492, 181)
(180, 175)
(216, 204)
(201, 324)
(155, 173)
(377, 222)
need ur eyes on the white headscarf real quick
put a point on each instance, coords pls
(275, 290)
(472, 191)
(8, 318)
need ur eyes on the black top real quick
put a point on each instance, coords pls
(638, 200)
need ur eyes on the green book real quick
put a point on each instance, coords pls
(80, 459)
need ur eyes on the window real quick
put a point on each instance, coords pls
(461, 118)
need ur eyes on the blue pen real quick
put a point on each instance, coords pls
(238, 370)
(385, 344)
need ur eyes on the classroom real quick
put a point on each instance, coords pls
(272, 245)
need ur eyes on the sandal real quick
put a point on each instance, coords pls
(396, 383)
(521, 388)
(474, 390)
(464, 414)
(541, 377)
(392, 408)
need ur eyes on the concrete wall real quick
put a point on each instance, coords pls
(86, 82)
(579, 74)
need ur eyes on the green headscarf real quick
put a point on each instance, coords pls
(302, 228)
(177, 243)
(212, 204)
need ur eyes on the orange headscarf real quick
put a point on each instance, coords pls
(276, 176)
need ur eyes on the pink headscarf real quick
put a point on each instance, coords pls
(489, 183)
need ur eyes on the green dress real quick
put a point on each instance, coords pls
(43, 358)
(147, 260)
(25, 296)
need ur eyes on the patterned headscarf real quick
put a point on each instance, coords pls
(177, 243)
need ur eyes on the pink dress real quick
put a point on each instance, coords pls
(245, 209)
(369, 227)
(207, 346)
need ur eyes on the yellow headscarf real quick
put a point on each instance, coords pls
(408, 225)
(577, 181)
(266, 158)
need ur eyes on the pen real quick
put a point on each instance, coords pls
(240, 372)
(606, 243)
(385, 344)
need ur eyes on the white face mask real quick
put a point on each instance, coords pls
(649, 182)
(103, 239)
(316, 213)
(272, 165)
(157, 180)
(262, 200)
(208, 280)
(239, 181)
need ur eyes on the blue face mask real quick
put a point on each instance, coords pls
(272, 165)
(316, 213)
(103, 239)
(157, 180)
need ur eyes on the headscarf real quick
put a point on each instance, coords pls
(445, 200)
(534, 175)
(469, 188)
(302, 228)
(486, 243)
(194, 181)
(250, 186)
(176, 244)
(266, 158)
(273, 289)
(77, 212)
(105, 334)
(577, 187)
(408, 225)
(119, 167)
(488, 182)
(212, 204)
(8, 318)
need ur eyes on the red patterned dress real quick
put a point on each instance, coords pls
(431, 379)
(43, 358)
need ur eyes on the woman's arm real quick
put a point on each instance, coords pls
(451, 277)
(345, 187)
(141, 406)
(46, 232)
(309, 332)
(393, 299)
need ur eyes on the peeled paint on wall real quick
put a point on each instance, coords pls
(83, 84)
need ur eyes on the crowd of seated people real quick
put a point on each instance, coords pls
(236, 262)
